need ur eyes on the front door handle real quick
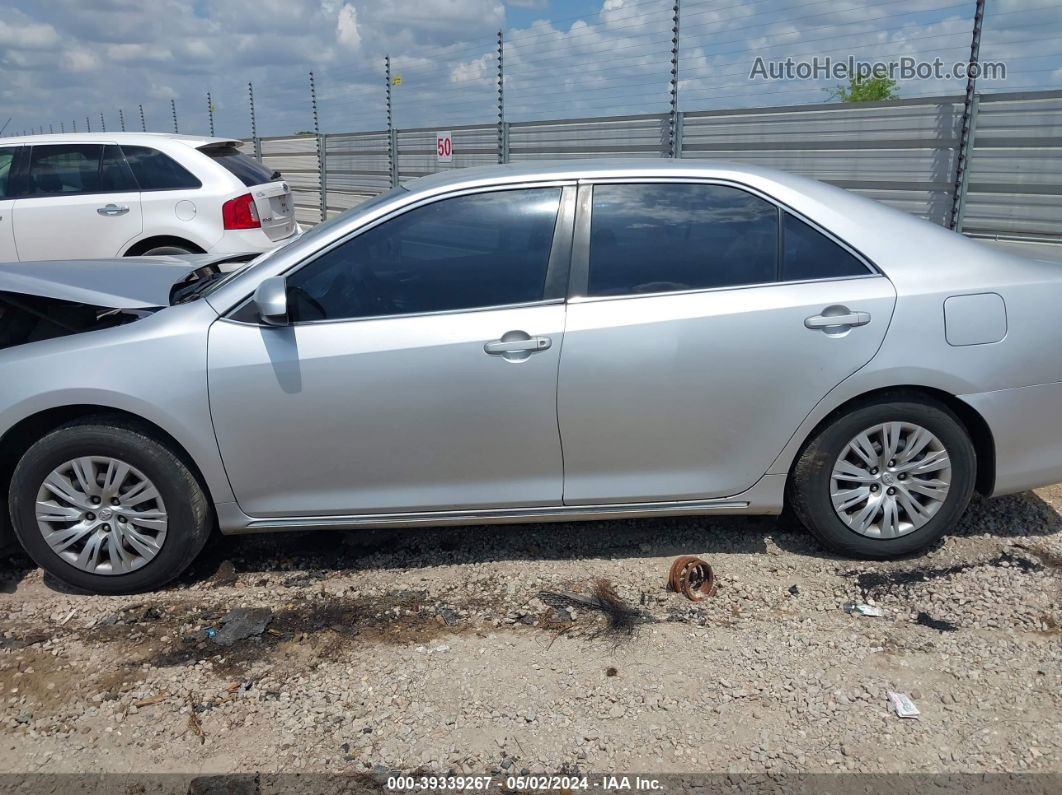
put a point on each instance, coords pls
(530, 345)
(517, 346)
(112, 209)
(836, 316)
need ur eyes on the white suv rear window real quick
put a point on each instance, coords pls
(246, 169)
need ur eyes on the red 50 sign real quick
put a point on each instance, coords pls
(444, 147)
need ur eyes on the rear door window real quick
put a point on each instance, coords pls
(72, 169)
(246, 169)
(655, 238)
(155, 170)
(7, 162)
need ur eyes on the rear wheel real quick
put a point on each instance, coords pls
(159, 251)
(885, 479)
(107, 508)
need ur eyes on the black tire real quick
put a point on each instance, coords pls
(808, 490)
(159, 251)
(189, 520)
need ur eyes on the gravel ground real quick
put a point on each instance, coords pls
(430, 650)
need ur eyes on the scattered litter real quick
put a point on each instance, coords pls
(691, 577)
(794, 590)
(863, 609)
(210, 632)
(240, 623)
(147, 702)
(194, 724)
(622, 618)
(901, 702)
(225, 575)
(448, 615)
(69, 616)
(938, 624)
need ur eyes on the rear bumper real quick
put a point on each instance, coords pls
(238, 241)
(1026, 425)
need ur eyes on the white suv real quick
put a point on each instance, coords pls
(129, 194)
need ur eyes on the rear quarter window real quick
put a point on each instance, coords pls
(155, 170)
(246, 169)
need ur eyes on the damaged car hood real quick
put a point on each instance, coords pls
(121, 283)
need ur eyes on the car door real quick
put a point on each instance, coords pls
(7, 233)
(80, 200)
(418, 373)
(706, 322)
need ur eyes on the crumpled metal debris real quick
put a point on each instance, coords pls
(240, 623)
(691, 577)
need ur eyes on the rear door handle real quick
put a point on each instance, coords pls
(530, 345)
(843, 318)
(112, 209)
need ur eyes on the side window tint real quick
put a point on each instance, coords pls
(115, 176)
(809, 254)
(7, 161)
(485, 249)
(155, 170)
(65, 169)
(667, 237)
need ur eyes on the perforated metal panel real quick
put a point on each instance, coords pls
(900, 153)
(472, 146)
(295, 157)
(1015, 181)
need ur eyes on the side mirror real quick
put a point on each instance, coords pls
(271, 300)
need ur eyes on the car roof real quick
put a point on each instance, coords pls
(114, 137)
(596, 168)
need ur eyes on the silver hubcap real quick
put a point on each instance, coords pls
(101, 515)
(890, 480)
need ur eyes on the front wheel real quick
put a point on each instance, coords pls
(107, 508)
(885, 479)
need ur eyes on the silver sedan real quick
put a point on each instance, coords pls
(575, 340)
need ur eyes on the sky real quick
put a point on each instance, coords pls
(65, 60)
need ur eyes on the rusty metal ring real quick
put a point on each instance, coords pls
(691, 577)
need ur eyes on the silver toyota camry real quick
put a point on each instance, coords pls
(576, 340)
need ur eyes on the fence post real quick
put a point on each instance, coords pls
(103, 124)
(88, 125)
(210, 113)
(503, 149)
(173, 110)
(73, 122)
(254, 126)
(392, 139)
(962, 186)
(143, 124)
(322, 174)
(674, 145)
(969, 110)
(121, 119)
(62, 127)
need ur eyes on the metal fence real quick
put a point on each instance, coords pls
(903, 153)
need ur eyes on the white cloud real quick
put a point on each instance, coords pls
(347, 27)
(80, 60)
(29, 36)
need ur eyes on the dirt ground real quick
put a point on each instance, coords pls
(432, 651)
